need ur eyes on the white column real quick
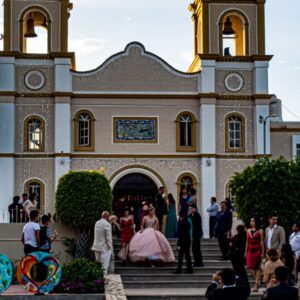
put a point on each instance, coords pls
(7, 74)
(208, 76)
(63, 78)
(261, 112)
(62, 139)
(208, 164)
(261, 80)
(7, 163)
(208, 189)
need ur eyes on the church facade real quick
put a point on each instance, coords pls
(135, 117)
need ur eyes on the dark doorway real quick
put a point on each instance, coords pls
(135, 186)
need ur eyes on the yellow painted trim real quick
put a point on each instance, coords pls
(42, 190)
(115, 141)
(178, 183)
(64, 25)
(7, 25)
(192, 148)
(91, 147)
(205, 27)
(246, 24)
(261, 47)
(116, 173)
(25, 133)
(242, 148)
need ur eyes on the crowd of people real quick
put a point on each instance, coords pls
(272, 261)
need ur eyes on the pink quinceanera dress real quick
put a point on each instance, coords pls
(150, 244)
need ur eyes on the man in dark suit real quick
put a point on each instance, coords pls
(232, 288)
(223, 229)
(184, 243)
(197, 231)
(281, 291)
(160, 206)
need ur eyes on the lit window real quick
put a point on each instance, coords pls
(36, 187)
(34, 135)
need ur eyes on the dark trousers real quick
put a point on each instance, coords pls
(160, 221)
(29, 249)
(223, 244)
(212, 225)
(185, 251)
(197, 254)
(238, 264)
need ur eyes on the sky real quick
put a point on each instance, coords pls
(101, 28)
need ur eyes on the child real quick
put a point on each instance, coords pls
(46, 236)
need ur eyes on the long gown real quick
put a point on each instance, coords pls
(171, 226)
(150, 244)
(254, 250)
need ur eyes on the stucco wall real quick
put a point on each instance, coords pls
(281, 144)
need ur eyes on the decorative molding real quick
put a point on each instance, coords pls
(251, 58)
(234, 82)
(285, 129)
(34, 80)
(42, 191)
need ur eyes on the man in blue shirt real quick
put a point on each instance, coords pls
(212, 211)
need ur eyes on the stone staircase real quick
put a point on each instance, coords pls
(143, 282)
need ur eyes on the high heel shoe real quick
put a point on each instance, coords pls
(255, 288)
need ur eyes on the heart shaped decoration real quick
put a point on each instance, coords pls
(39, 272)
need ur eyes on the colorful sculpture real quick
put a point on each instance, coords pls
(39, 272)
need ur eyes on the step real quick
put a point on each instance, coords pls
(214, 249)
(169, 276)
(173, 294)
(212, 256)
(209, 263)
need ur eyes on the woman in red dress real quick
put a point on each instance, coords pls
(255, 250)
(127, 232)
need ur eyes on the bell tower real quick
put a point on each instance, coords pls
(21, 18)
(229, 27)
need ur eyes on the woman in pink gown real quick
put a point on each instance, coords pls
(149, 243)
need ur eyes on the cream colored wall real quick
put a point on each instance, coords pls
(167, 111)
(281, 144)
(225, 168)
(11, 245)
(51, 6)
(247, 89)
(36, 168)
(135, 72)
(217, 9)
(169, 169)
(41, 106)
(245, 108)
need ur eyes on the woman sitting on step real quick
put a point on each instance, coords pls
(149, 244)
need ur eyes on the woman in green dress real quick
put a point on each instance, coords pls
(171, 226)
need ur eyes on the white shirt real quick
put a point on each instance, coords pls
(271, 230)
(29, 230)
(295, 243)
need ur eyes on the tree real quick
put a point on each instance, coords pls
(268, 186)
(81, 197)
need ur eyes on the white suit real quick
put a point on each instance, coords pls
(103, 243)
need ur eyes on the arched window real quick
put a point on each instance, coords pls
(84, 132)
(35, 186)
(235, 133)
(229, 193)
(35, 30)
(186, 132)
(234, 34)
(187, 180)
(34, 134)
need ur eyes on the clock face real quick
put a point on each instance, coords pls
(234, 82)
(34, 80)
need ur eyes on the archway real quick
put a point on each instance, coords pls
(135, 187)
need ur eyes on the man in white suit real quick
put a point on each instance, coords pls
(103, 241)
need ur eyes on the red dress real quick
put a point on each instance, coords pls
(126, 230)
(254, 250)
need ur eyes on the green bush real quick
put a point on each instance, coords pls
(82, 276)
(269, 186)
(81, 197)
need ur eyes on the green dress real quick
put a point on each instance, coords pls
(171, 226)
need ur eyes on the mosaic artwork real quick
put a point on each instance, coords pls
(6, 273)
(135, 130)
(39, 272)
